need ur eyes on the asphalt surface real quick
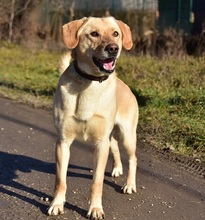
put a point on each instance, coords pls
(166, 189)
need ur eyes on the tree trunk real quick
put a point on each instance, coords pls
(11, 20)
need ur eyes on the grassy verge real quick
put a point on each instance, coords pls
(170, 93)
(28, 75)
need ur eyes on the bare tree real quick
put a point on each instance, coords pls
(14, 11)
(12, 14)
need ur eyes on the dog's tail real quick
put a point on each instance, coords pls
(65, 62)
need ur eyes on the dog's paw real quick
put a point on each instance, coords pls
(117, 171)
(56, 209)
(129, 188)
(96, 214)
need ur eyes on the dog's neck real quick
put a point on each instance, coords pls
(87, 76)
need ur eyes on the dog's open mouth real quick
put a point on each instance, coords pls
(107, 65)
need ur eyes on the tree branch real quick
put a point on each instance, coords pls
(24, 8)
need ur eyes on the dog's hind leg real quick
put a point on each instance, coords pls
(129, 143)
(117, 165)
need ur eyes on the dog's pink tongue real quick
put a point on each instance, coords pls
(108, 64)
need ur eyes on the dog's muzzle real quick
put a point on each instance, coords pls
(107, 65)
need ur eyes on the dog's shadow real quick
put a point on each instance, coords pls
(11, 163)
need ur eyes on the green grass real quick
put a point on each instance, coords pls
(172, 99)
(170, 93)
(30, 71)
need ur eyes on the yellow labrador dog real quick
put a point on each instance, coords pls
(92, 104)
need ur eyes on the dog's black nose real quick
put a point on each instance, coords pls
(112, 49)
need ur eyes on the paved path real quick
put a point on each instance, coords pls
(27, 172)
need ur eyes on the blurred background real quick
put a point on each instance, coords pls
(171, 27)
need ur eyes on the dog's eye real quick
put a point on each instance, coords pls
(94, 34)
(115, 34)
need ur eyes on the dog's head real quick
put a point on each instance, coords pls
(97, 42)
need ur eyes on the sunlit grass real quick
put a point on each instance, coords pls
(171, 95)
(170, 92)
(31, 71)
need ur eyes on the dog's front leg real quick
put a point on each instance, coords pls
(100, 161)
(62, 160)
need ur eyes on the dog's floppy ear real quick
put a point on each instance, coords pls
(126, 35)
(70, 32)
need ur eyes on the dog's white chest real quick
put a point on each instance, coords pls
(85, 108)
(86, 105)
